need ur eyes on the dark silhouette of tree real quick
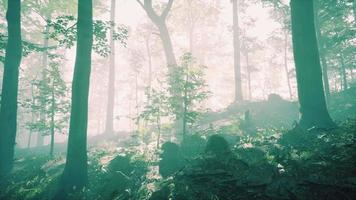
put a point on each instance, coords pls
(321, 46)
(75, 175)
(8, 112)
(309, 77)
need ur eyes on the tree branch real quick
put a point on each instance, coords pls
(147, 6)
(141, 4)
(167, 9)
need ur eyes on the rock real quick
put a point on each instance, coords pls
(217, 145)
(171, 159)
(192, 146)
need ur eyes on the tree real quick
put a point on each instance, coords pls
(8, 110)
(335, 33)
(309, 78)
(155, 110)
(51, 103)
(321, 47)
(281, 13)
(160, 22)
(237, 65)
(75, 174)
(187, 88)
(109, 125)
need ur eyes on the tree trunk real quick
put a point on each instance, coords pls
(191, 29)
(286, 64)
(167, 44)
(185, 107)
(158, 121)
(343, 73)
(40, 139)
(160, 22)
(309, 78)
(136, 102)
(321, 47)
(149, 56)
(8, 111)
(109, 126)
(32, 117)
(75, 173)
(237, 65)
(354, 9)
(40, 136)
(52, 120)
(248, 67)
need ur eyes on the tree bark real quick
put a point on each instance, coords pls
(75, 173)
(109, 126)
(158, 121)
(321, 47)
(32, 117)
(149, 59)
(40, 136)
(354, 9)
(343, 73)
(286, 64)
(53, 103)
(237, 65)
(160, 22)
(185, 107)
(309, 77)
(8, 111)
(167, 44)
(248, 75)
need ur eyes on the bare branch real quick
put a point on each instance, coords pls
(147, 6)
(167, 9)
(141, 4)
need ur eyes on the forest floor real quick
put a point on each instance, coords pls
(275, 162)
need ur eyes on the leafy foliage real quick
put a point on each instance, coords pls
(187, 88)
(65, 33)
(27, 47)
(50, 99)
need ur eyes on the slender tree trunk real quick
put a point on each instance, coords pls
(53, 102)
(321, 47)
(32, 117)
(191, 29)
(167, 44)
(185, 107)
(158, 121)
(248, 67)
(130, 114)
(237, 65)
(335, 85)
(75, 174)
(40, 139)
(40, 136)
(149, 57)
(136, 101)
(354, 9)
(343, 73)
(8, 110)
(286, 64)
(109, 126)
(352, 74)
(309, 78)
